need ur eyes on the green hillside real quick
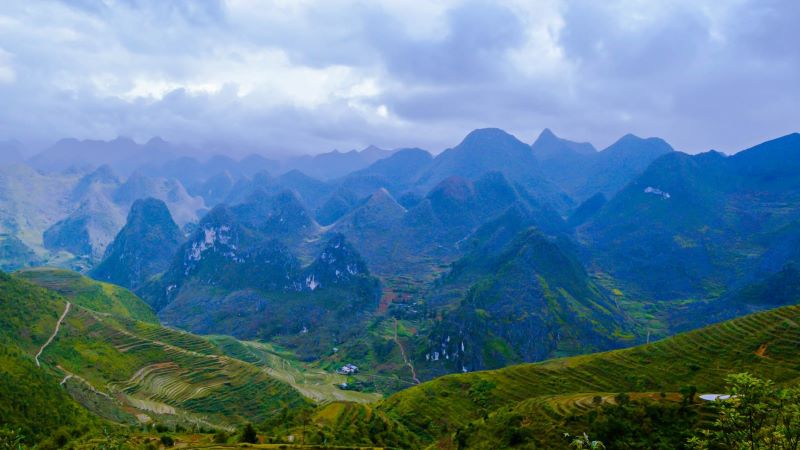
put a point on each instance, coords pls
(32, 402)
(132, 373)
(90, 294)
(127, 371)
(764, 344)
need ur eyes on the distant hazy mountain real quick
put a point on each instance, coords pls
(144, 247)
(214, 190)
(30, 202)
(396, 173)
(693, 225)
(336, 164)
(395, 240)
(335, 206)
(183, 207)
(311, 191)
(122, 154)
(86, 231)
(11, 152)
(79, 211)
(102, 181)
(103, 202)
(582, 172)
(492, 149)
(196, 174)
(548, 146)
(14, 254)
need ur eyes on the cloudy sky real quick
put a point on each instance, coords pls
(309, 76)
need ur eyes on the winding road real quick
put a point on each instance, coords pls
(403, 352)
(52, 336)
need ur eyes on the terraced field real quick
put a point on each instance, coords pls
(764, 344)
(90, 293)
(136, 370)
(132, 371)
(154, 373)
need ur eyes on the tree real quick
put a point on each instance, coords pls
(757, 415)
(249, 434)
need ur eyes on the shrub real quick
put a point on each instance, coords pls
(220, 437)
(167, 440)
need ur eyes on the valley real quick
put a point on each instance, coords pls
(414, 300)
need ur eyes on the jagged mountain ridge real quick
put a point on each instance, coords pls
(692, 225)
(581, 171)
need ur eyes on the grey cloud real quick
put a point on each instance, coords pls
(470, 48)
(701, 74)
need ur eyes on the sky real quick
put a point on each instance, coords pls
(305, 76)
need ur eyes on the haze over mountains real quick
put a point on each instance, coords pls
(406, 265)
(449, 225)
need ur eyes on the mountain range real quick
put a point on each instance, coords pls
(408, 267)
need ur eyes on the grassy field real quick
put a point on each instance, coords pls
(314, 383)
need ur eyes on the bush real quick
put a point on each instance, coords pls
(220, 437)
(11, 438)
(167, 441)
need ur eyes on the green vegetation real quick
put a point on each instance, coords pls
(756, 415)
(94, 295)
(136, 375)
(32, 405)
(541, 396)
(126, 371)
(536, 302)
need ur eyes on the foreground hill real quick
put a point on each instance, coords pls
(764, 344)
(123, 370)
(31, 399)
(129, 372)
(90, 294)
